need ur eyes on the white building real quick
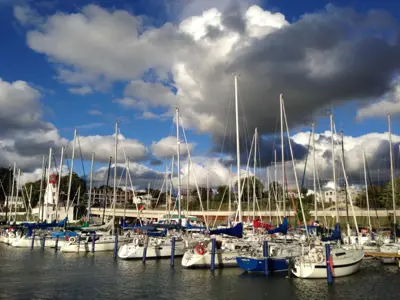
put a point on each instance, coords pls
(14, 201)
(329, 195)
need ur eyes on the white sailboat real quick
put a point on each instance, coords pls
(314, 264)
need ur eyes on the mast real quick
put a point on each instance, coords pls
(333, 171)
(16, 198)
(178, 150)
(10, 180)
(48, 188)
(345, 186)
(269, 197)
(12, 191)
(248, 194)
(275, 178)
(392, 173)
(115, 173)
(126, 187)
(166, 190)
(41, 189)
(170, 186)
(106, 191)
(187, 187)
(366, 190)
(208, 196)
(314, 175)
(70, 171)
(230, 190)
(238, 149)
(59, 181)
(90, 188)
(255, 166)
(283, 156)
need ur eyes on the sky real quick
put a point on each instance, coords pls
(83, 65)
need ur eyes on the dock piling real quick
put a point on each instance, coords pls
(93, 242)
(172, 262)
(213, 248)
(145, 250)
(33, 240)
(116, 245)
(79, 243)
(329, 263)
(266, 255)
(56, 247)
(43, 241)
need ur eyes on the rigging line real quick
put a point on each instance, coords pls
(305, 163)
(245, 123)
(373, 198)
(55, 164)
(226, 128)
(80, 152)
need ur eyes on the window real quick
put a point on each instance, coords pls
(331, 193)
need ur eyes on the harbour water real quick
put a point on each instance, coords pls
(37, 274)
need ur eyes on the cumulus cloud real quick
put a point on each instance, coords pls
(141, 175)
(104, 147)
(325, 57)
(81, 90)
(24, 136)
(26, 15)
(166, 147)
(389, 103)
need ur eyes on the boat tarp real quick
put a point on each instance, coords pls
(283, 228)
(236, 231)
(336, 234)
(259, 224)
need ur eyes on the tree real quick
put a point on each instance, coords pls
(250, 181)
(5, 179)
(75, 184)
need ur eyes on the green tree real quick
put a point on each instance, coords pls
(75, 184)
(5, 179)
(250, 180)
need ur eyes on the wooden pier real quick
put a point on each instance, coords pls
(378, 255)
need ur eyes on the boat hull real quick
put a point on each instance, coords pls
(131, 251)
(223, 259)
(313, 271)
(250, 264)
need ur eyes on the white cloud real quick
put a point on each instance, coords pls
(389, 103)
(81, 90)
(166, 147)
(104, 147)
(95, 112)
(27, 15)
(148, 115)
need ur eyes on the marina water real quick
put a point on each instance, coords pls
(38, 274)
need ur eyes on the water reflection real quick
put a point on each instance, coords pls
(26, 274)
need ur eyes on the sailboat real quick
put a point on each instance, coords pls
(314, 264)
(278, 254)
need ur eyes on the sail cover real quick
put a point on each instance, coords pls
(236, 231)
(336, 234)
(259, 224)
(281, 228)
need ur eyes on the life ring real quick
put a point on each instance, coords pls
(12, 235)
(200, 249)
(136, 241)
(319, 258)
(72, 239)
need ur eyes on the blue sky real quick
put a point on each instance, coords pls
(19, 60)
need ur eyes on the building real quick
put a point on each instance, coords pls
(329, 195)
